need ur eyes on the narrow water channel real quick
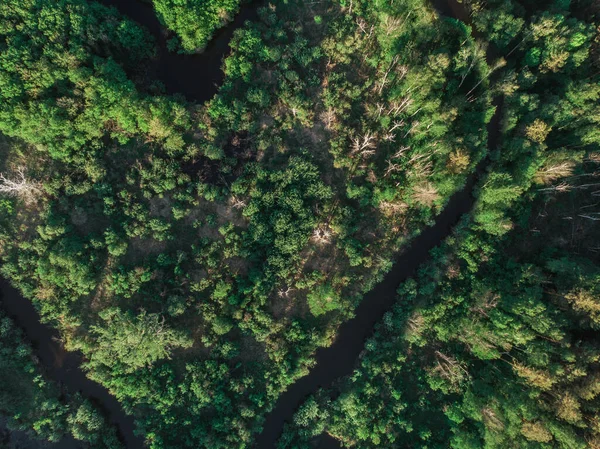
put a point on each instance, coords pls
(10, 439)
(339, 359)
(197, 78)
(63, 366)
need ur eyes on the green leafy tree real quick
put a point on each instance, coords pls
(133, 341)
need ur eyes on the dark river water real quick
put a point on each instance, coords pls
(340, 359)
(197, 78)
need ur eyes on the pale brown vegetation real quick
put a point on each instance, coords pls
(536, 431)
(551, 173)
(426, 194)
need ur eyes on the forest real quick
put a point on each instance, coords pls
(198, 256)
(35, 404)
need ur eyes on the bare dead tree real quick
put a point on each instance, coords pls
(397, 124)
(412, 128)
(499, 64)
(328, 117)
(416, 112)
(421, 168)
(391, 168)
(418, 156)
(285, 293)
(426, 194)
(416, 323)
(393, 208)
(491, 418)
(390, 136)
(321, 235)
(551, 173)
(19, 186)
(450, 369)
(237, 203)
(402, 70)
(477, 53)
(392, 24)
(398, 107)
(562, 187)
(400, 152)
(364, 146)
(387, 73)
(362, 24)
(565, 187)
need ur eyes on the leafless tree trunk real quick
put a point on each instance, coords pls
(364, 146)
(391, 67)
(19, 186)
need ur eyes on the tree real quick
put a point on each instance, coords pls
(129, 342)
(19, 186)
(323, 299)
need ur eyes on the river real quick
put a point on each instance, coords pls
(63, 366)
(340, 359)
(197, 78)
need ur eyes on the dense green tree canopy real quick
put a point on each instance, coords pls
(198, 255)
(494, 344)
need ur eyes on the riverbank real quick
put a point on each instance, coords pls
(10, 439)
(339, 359)
(197, 76)
(62, 366)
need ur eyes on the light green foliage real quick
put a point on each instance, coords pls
(130, 342)
(323, 299)
(64, 90)
(195, 21)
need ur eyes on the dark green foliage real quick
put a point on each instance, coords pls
(495, 343)
(32, 403)
(199, 255)
(67, 88)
